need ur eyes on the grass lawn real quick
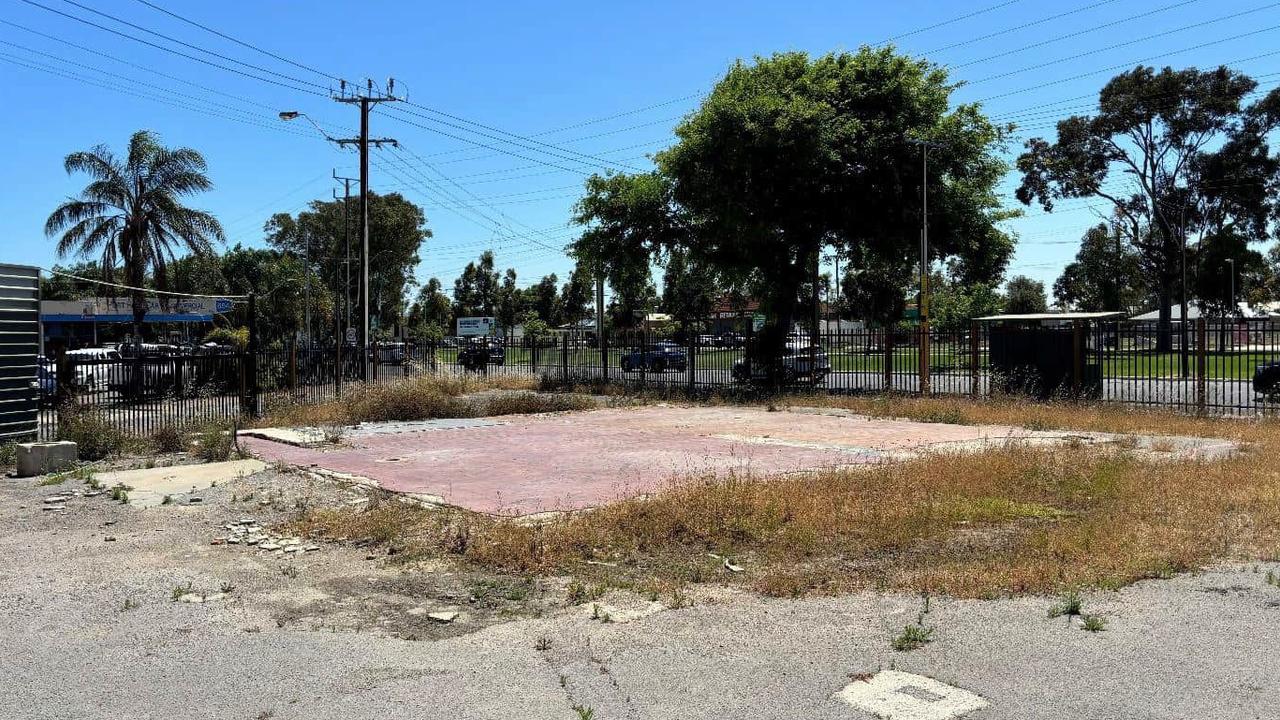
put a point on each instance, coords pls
(1227, 366)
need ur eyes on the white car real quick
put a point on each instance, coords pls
(94, 367)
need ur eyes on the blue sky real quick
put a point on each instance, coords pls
(604, 80)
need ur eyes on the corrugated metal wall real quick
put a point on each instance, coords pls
(19, 346)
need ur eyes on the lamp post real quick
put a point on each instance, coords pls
(923, 304)
(1232, 263)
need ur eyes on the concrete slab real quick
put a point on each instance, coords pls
(524, 465)
(151, 485)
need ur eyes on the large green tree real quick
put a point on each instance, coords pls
(1174, 152)
(430, 315)
(1022, 295)
(789, 155)
(131, 215)
(1106, 274)
(319, 237)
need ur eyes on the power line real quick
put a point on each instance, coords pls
(238, 41)
(1024, 26)
(166, 49)
(1077, 33)
(1116, 46)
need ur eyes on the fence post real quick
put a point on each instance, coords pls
(1077, 360)
(888, 358)
(564, 359)
(293, 366)
(251, 362)
(691, 354)
(924, 356)
(975, 359)
(374, 347)
(1202, 362)
(604, 353)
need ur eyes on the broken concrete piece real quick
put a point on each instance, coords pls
(151, 485)
(445, 616)
(40, 458)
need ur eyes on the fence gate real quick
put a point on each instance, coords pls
(19, 345)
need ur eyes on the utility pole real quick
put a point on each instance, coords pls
(366, 100)
(346, 239)
(1232, 263)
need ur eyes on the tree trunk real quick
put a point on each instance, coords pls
(1164, 329)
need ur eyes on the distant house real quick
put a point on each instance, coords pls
(1193, 312)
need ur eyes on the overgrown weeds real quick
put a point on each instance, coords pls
(169, 439)
(428, 398)
(95, 438)
(216, 441)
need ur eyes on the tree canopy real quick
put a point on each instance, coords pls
(789, 155)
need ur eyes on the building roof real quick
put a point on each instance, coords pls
(1033, 317)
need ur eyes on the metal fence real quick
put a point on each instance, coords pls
(1208, 369)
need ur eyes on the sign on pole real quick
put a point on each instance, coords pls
(470, 326)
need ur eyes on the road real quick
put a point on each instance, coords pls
(92, 630)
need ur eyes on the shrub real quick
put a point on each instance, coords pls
(216, 441)
(95, 438)
(8, 454)
(169, 439)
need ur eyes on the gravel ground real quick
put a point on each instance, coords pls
(93, 631)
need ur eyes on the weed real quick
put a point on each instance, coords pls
(215, 441)
(1094, 623)
(130, 604)
(581, 594)
(1271, 578)
(289, 571)
(8, 454)
(227, 588)
(169, 439)
(167, 500)
(95, 438)
(912, 637)
(680, 598)
(1070, 605)
(543, 644)
(178, 591)
(584, 712)
(55, 479)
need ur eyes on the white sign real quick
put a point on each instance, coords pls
(475, 326)
(351, 336)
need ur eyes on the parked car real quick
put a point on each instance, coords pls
(731, 340)
(47, 383)
(800, 361)
(390, 353)
(709, 341)
(1266, 379)
(94, 368)
(478, 353)
(656, 357)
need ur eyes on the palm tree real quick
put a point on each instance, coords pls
(131, 215)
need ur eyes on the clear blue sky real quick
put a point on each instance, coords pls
(534, 69)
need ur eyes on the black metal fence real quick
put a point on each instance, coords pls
(1209, 368)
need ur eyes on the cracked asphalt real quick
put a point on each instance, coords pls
(91, 631)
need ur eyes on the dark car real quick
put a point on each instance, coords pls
(478, 353)
(657, 357)
(1266, 379)
(799, 362)
(47, 382)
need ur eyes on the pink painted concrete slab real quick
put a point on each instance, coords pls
(529, 464)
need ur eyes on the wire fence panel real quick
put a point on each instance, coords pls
(1224, 367)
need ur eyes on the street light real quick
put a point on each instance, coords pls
(1232, 263)
(923, 306)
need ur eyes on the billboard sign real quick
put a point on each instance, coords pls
(470, 326)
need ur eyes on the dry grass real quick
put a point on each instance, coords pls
(1007, 521)
(425, 398)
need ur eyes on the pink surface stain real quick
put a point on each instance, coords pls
(530, 464)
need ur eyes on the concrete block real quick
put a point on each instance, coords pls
(46, 457)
